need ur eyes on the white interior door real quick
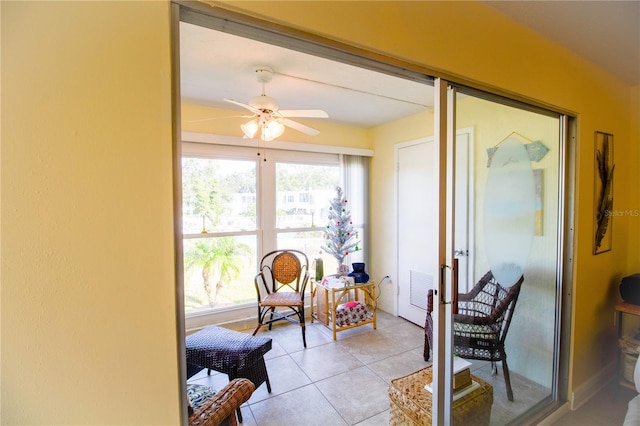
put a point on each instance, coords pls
(417, 222)
(417, 225)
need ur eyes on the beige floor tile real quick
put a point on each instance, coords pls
(526, 393)
(357, 395)
(284, 376)
(384, 320)
(372, 347)
(404, 335)
(346, 381)
(289, 336)
(381, 419)
(303, 406)
(325, 361)
(276, 350)
(399, 365)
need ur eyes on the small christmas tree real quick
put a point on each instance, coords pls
(339, 233)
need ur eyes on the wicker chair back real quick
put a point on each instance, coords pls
(481, 324)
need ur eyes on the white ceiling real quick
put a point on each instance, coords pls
(606, 33)
(217, 65)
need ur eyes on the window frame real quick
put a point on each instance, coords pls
(266, 202)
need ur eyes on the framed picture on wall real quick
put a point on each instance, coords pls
(603, 192)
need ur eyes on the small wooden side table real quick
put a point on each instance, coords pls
(327, 299)
(630, 309)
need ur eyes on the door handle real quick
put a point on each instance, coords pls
(454, 299)
(454, 282)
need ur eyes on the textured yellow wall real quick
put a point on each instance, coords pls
(88, 306)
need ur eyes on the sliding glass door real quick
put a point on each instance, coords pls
(499, 300)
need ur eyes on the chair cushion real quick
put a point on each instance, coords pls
(282, 298)
(198, 395)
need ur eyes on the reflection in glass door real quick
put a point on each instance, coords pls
(508, 316)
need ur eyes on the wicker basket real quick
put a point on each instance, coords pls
(410, 402)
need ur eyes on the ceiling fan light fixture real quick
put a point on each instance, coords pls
(271, 130)
(267, 119)
(250, 128)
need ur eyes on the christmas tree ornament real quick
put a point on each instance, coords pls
(339, 232)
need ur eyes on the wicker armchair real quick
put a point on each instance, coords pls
(281, 283)
(481, 324)
(221, 408)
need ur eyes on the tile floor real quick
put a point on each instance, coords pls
(345, 382)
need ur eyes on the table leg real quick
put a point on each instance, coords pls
(312, 299)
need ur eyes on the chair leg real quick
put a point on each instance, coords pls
(302, 325)
(271, 318)
(428, 338)
(507, 379)
(256, 330)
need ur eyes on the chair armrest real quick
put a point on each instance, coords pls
(223, 404)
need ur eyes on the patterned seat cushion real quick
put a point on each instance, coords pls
(198, 395)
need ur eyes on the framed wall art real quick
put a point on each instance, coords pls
(603, 192)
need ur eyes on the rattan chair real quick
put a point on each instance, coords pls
(481, 324)
(220, 409)
(281, 284)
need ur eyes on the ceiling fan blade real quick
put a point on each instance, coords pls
(218, 118)
(249, 107)
(300, 127)
(311, 113)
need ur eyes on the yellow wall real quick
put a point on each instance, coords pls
(88, 305)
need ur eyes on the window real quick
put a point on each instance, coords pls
(237, 208)
(220, 231)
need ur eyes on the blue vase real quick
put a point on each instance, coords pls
(358, 274)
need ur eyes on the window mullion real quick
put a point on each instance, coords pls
(267, 208)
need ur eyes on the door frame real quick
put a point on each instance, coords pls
(221, 17)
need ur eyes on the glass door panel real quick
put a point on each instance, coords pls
(508, 204)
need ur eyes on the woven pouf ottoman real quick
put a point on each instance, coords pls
(410, 402)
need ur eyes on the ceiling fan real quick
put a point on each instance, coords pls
(268, 120)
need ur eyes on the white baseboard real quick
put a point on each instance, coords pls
(586, 391)
(555, 416)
